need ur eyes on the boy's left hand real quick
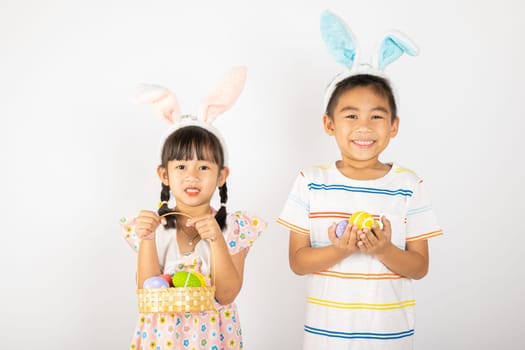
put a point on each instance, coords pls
(375, 242)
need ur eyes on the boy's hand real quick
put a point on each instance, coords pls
(375, 242)
(146, 224)
(348, 241)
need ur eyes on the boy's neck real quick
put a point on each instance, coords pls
(363, 170)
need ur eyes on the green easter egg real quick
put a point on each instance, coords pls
(187, 279)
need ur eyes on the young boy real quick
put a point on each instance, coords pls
(359, 284)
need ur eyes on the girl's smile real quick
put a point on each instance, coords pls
(192, 191)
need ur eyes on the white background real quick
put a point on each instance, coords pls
(76, 155)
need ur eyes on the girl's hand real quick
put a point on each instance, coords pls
(206, 226)
(146, 224)
(378, 241)
(348, 241)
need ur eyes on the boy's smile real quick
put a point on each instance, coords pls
(362, 126)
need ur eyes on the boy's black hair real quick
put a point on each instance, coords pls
(380, 85)
(184, 144)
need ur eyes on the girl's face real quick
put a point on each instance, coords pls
(192, 182)
(362, 126)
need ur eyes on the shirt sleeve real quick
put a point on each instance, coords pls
(127, 225)
(421, 219)
(242, 230)
(295, 214)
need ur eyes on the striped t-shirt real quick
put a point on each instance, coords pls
(359, 303)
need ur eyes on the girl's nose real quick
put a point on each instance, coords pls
(191, 174)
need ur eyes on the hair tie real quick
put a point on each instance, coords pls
(161, 204)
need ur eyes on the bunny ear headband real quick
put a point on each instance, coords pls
(219, 100)
(343, 46)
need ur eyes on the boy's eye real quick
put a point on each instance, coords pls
(351, 116)
(377, 116)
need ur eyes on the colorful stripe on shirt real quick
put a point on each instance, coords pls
(359, 276)
(323, 187)
(361, 306)
(425, 236)
(293, 227)
(358, 335)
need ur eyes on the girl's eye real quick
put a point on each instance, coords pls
(204, 167)
(180, 167)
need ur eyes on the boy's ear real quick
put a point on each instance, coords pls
(394, 128)
(328, 124)
(223, 175)
(163, 175)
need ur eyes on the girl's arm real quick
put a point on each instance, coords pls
(227, 270)
(304, 259)
(147, 260)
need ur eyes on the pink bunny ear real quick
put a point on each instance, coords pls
(224, 95)
(164, 101)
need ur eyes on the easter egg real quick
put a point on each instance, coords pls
(167, 278)
(156, 282)
(362, 220)
(188, 279)
(340, 228)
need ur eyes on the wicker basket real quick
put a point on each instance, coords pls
(189, 299)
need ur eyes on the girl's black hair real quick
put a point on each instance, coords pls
(184, 144)
(380, 85)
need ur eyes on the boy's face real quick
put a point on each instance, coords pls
(362, 126)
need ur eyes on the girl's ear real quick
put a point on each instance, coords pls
(163, 175)
(224, 95)
(393, 45)
(328, 124)
(223, 176)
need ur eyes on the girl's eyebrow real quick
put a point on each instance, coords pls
(351, 108)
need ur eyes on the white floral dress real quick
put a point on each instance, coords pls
(196, 330)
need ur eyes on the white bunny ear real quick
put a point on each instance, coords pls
(393, 45)
(224, 95)
(164, 101)
(339, 39)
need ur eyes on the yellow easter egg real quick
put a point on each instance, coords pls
(362, 219)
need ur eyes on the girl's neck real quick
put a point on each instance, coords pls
(371, 170)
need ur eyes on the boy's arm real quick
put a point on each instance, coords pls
(411, 263)
(305, 259)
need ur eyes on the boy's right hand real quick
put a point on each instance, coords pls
(348, 241)
(146, 224)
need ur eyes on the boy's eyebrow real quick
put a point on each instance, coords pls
(351, 108)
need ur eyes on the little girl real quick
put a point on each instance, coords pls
(193, 237)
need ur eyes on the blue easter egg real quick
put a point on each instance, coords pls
(340, 228)
(156, 282)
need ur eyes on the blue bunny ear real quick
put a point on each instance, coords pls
(339, 39)
(392, 47)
